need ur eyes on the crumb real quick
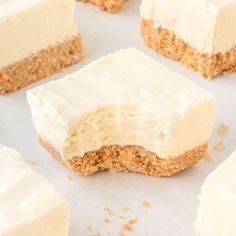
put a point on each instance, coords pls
(96, 234)
(31, 162)
(106, 220)
(146, 204)
(218, 146)
(125, 209)
(222, 129)
(75, 204)
(122, 217)
(121, 233)
(133, 221)
(69, 177)
(107, 209)
(111, 213)
(90, 228)
(127, 227)
(208, 157)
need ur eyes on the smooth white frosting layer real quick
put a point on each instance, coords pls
(125, 98)
(28, 26)
(206, 25)
(28, 203)
(217, 210)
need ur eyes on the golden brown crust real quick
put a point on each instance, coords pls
(167, 44)
(129, 159)
(111, 6)
(42, 64)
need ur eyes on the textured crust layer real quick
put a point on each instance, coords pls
(107, 5)
(130, 159)
(42, 64)
(167, 44)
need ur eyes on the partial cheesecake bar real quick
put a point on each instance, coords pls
(36, 41)
(200, 34)
(111, 6)
(217, 210)
(124, 112)
(29, 206)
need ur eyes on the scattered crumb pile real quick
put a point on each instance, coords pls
(127, 226)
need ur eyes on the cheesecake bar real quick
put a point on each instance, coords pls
(36, 41)
(200, 34)
(111, 6)
(29, 206)
(217, 210)
(124, 112)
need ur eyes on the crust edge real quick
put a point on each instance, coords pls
(129, 158)
(41, 65)
(169, 45)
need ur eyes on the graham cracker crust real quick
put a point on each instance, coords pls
(111, 6)
(42, 64)
(169, 45)
(129, 158)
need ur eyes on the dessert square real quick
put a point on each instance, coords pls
(217, 210)
(34, 42)
(111, 6)
(200, 34)
(29, 206)
(124, 112)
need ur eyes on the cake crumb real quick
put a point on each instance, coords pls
(133, 221)
(107, 220)
(127, 227)
(111, 213)
(121, 233)
(125, 209)
(107, 209)
(31, 162)
(222, 129)
(218, 146)
(69, 177)
(122, 217)
(96, 234)
(146, 204)
(208, 157)
(90, 228)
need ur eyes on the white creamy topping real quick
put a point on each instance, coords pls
(25, 197)
(28, 26)
(207, 25)
(9, 7)
(217, 210)
(125, 98)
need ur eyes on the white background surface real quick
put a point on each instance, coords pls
(173, 200)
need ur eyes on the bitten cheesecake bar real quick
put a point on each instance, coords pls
(36, 41)
(201, 34)
(124, 112)
(107, 5)
(217, 210)
(29, 206)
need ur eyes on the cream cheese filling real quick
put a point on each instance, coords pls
(25, 198)
(217, 210)
(126, 98)
(29, 26)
